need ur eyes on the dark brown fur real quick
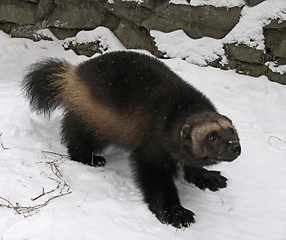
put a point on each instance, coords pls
(136, 102)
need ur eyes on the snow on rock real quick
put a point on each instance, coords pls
(103, 35)
(178, 44)
(46, 33)
(249, 31)
(138, 1)
(216, 3)
(279, 69)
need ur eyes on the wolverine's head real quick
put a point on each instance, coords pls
(208, 138)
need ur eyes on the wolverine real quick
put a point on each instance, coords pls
(134, 101)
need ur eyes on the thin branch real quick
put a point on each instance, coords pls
(84, 199)
(58, 154)
(279, 139)
(55, 169)
(28, 211)
(45, 193)
(10, 205)
(4, 148)
(62, 187)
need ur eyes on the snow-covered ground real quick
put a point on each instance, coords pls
(44, 195)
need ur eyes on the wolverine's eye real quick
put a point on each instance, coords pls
(213, 136)
(232, 131)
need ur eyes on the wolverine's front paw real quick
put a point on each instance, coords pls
(176, 215)
(212, 180)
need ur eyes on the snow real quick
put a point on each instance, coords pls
(179, 44)
(103, 35)
(279, 69)
(82, 202)
(249, 31)
(46, 33)
(138, 1)
(216, 3)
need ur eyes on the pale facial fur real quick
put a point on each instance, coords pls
(210, 138)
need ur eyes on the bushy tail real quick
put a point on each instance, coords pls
(43, 84)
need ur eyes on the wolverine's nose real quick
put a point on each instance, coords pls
(236, 149)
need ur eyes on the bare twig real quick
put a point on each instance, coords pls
(28, 211)
(4, 148)
(36, 207)
(58, 154)
(274, 137)
(55, 169)
(83, 200)
(45, 193)
(10, 205)
(33, 199)
(62, 188)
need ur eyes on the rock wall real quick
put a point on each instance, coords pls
(131, 23)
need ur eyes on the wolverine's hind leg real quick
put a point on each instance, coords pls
(82, 144)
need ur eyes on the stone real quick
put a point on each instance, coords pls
(251, 69)
(243, 53)
(87, 49)
(18, 12)
(45, 7)
(7, 27)
(135, 38)
(25, 31)
(84, 15)
(129, 11)
(277, 77)
(276, 24)
(152, 4)
(32, 1)
(252, 3)
(61, 33)
(275, 41)
(195, 21)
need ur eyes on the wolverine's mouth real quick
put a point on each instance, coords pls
(226, 156)
(217, 159)
(212, 160)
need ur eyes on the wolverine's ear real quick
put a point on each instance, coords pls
(186, 132)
